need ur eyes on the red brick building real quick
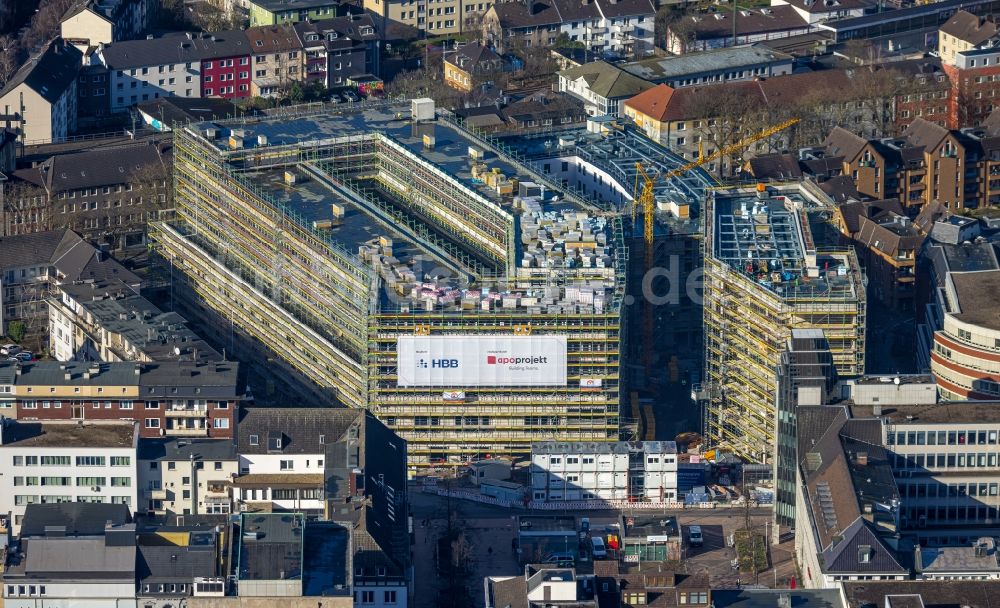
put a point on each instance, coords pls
(167, 399)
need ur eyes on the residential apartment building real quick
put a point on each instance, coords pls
(182, 476)
(109, 321)
(745, 62)
(963, 32)
(702, 32)
(470, 65)
(279, 12)
(337, 50)
(141, 70)
(225, 64)
(619, 28)
(32, 265)
(74, 553)
(694, 119)
(60, 462)
(635, 471)
(286, 455)
(887, 244)
(189, 65)
(764, 275)
(107, 195)
(95, 22)
(42, 93)
(436, 17)
(601, 87)
(174, 399)
(277, 58)
(965, 358)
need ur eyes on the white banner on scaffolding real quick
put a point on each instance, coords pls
(454, 361)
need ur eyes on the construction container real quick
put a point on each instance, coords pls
(476, 153)
(337, 210)
(290, 178)
(422, 109)
(429, 141)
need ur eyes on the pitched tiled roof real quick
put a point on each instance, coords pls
(612, 9)
(175, 48)
(299, 428)
(751, 21)
(854, 211)
(94, 168)
(970, 28)
(79, 518)
(515, 14)
(48, 73)
(826, 6)
(606, 80)
(653, 102)
(473, 53)
(841, 142)
(271, 38)
(775, 166)
(844, 556)
(923, 133)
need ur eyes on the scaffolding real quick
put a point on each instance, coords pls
(763, 278)
(253, 255)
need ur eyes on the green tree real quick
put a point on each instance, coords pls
(296, 93)
(15, 330)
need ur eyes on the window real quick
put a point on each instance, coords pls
(390, 597)
(367, 597)
(286, 465)
(121, 482)
(55, 460)
(152, 423)
(90, 461)
(254, 440)
(152, 405)
(120, 461)
(221, 423)
(83, 482)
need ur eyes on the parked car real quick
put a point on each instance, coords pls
(24, 355)
(336, 99)
(599, 550)
(351, 96)
(695, 539)
(9, 349)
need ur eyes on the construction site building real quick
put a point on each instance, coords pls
(394, 261)
(764, 277)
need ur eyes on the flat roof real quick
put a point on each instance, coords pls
(768, 239)
(326, 557)
(977, 293)
(270, 546)
(959, 559)
(426, 245)
(963, 412)
(68, 435)
(660, 69)
(162, 336)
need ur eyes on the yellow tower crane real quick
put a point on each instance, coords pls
(647, 200)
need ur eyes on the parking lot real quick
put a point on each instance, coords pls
(491, 530)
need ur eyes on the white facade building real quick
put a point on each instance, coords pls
(140, 70)
(187, 476)
(58, 462)
(610, 471)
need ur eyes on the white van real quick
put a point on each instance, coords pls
(695, 538)
(597, 543)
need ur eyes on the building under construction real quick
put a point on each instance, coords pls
(395, 262)
(764, 276)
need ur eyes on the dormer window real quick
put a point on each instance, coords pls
(312, 37)
(254, 440)
(275, 442)
(331, 36)
(865, 554)
(632, 598)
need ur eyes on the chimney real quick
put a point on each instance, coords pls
(918, 560)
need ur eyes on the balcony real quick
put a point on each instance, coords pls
(192, 432)
(160, 494)
(185, 413)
